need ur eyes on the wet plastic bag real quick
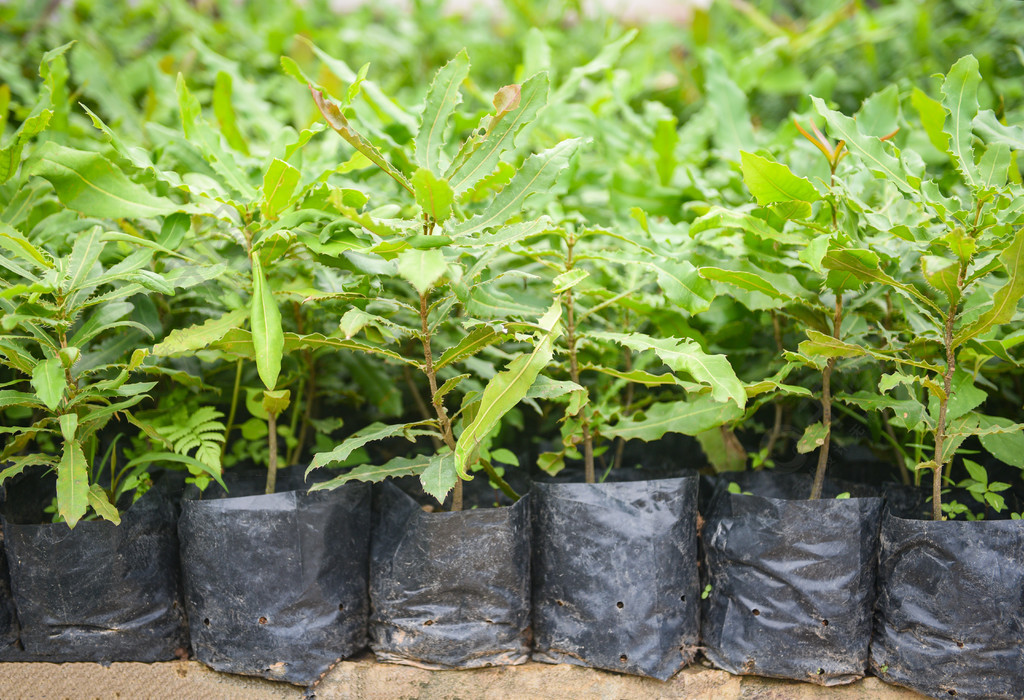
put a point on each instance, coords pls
(100, 592)
(276, 585)
(792, 586)
(9, 632)
(949, 620)
(615, 582)
(449, 590)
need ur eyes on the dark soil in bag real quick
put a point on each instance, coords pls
(101, 592)
(949, 620)
(792, 586)
(449, 590)
(615, 582)
(276, 584)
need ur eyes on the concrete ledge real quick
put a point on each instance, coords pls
(366, 679)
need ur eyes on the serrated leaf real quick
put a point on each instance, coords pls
(99, 502)
(1006, 298)
(993, 168)
(960, 98)
(187, 340)
(908, 414)
(50, 382)
(90, 184)
(683, 285)
(371, 433)
(684, 355)
(433, 194)
(72, 484)
(13, 241)
(942, 274)
(278, 185)
(537, 174)
(933, 118)
(440, 476)
(568, 279)
(442, 98)
(1007, 447)
(750, 281)
(480, 338)
(422, 268)
(373, 473)
(689, 417)
(500, 135)
(728, 103)
(868, 148)
(505, 390)
(772, 182)
(812, 439)
(267, 333)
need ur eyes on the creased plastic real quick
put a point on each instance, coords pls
(9, 631)
(615, 581)
(449, 590)
(99, 592)
(949, 620)
(276, 585)
(792, 586)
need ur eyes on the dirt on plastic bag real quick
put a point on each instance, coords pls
(949, 621)
(792, 585)
(449, 590)
(615, 582)
(100, 592)
(276, 585)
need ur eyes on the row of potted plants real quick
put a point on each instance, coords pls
(463, 263)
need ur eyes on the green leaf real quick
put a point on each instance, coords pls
(68, 426)
(1006, 298)
(267, 334)
(538, 174)
(183, 341)
(505, 390)
(683, 285)
(500, 137)
(993, 169)
(684, 355)
(225, 112)
(18, 398)
(10, 155)
(812, 439)
(90, 184)
(772, 182)
(442, 98)
(12, 240)
(864, 265)
(275, 402)
(942, 274)
(687, 417)
(960, 98)
(422, 268)
(976, 471)
(728, 104)
(278, 185)
(750, 281)
(97, 498)
(50, 382)
(440, 476)
(879, 115)
(666, 136)
(933, 118)
(373, 473)
(371, 433)
(1007, 447)
(988, 126)
(72, 484)
(192, 463)
(568, 279)
(908, 414)
(433, 194)
(480, 338)
(547, 389)
(868, 148)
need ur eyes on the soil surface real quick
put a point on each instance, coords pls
(365, 678)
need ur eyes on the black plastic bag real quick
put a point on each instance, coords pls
(792, 586)
(949, 620)
(276, 584)
(615, 583)
(100, 592)
(9, 632)
(449, 590)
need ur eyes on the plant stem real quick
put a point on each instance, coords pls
(826, 404)
(574, 369)
(437, 401)
(307, 413)
(234, 407)
(620, 443)
(272, 461)
(496, 478)
(940, 428)
(777, 425)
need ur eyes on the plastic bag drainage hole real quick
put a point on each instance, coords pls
(560, 603)
(341, 606)
(682, 598)
(756, 611)
(821, 672)
(623, 658)
(619, 605)
(824, 623)
(951, 692)
(960, 645)
(206, 621)
(262, 620)
(428, 623)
